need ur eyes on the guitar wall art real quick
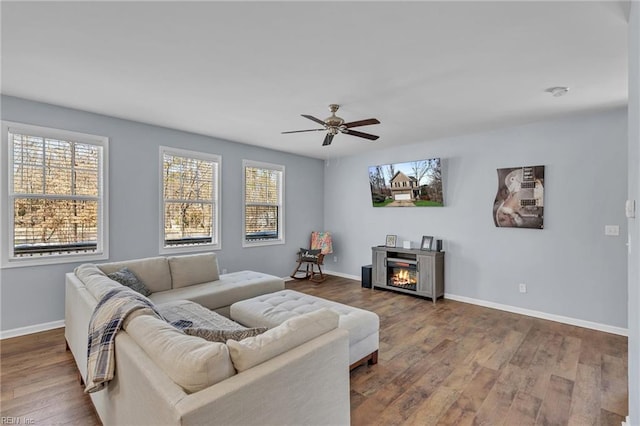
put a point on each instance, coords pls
(519, 202)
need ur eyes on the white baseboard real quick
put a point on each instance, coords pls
(22, 331)
(542, 315)
(516, 310)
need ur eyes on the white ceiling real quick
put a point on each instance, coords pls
(245, 71)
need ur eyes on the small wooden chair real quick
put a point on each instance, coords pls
(309, 259)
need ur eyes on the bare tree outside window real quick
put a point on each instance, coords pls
(263, 203)
(190, 204)
(55, 195)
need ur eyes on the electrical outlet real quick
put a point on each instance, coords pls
(522, 287)
(335, 259)
(224, 270)
(612, 230)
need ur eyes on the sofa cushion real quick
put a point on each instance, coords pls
(152, 271)
(291, 333)
(193, 269)
(197, 315)
(191, 362)
(229, 289)
(127, 278)
(222, 335)
(134, 314)
(96, 282)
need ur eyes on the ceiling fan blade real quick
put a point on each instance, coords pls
(328, 139)
(366, 122)
(310, 130)
(312, 118)
(360, 134)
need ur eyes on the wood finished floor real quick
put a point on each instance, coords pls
(450, 364)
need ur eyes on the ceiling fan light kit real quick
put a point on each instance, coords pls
(334, 125)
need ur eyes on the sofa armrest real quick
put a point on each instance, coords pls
(140, 392)
(306, 385)
(79, 304)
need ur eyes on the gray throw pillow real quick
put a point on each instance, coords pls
(214, 335)
(127, 278)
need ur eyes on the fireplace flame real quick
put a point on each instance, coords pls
(403, 277)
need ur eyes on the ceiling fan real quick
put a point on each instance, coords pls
(335, 124)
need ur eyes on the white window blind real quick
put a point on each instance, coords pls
(190, 199)
(263, 201)
(56, 196)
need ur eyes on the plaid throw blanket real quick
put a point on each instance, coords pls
(106, 321)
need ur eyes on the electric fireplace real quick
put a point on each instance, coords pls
(402, 273)
(409, 271)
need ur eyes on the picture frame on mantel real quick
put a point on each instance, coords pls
(427, 243)
(391, 240)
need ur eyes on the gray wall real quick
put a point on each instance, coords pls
(571, 268)
(35, 295)
(634, 226)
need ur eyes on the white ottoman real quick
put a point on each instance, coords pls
(270, 310)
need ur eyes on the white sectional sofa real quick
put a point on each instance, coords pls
(296, 373)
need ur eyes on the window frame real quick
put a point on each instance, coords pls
(281, 215)
(216, 240)
(7, 196)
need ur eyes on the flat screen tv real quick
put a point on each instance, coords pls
(410, 184)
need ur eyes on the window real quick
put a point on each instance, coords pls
(263, 203)
(55, 183)
(190, 210)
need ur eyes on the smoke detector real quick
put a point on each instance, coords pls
(558, 91)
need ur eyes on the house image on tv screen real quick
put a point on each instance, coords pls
(404, 188)
(410, 184)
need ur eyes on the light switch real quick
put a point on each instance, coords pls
(612, 230)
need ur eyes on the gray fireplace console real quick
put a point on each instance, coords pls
(410, 271)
